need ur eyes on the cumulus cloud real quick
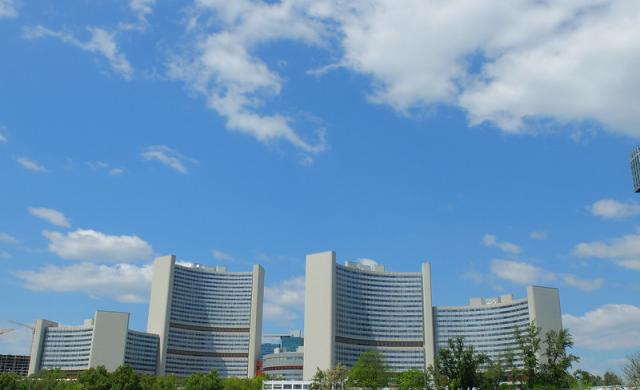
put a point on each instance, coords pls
(7, 238)
(101, 42)
(520, 272)
(104, 166)
(611, 326)
(221, 65)
(491, 240)
(516, 64)
(121, 282)
(52, 216)
(613, 209)
(8, 9)
(31, 165)
(284, 302)
(582, 284)
(169, 157)
(624, 251)
(220, 255)
(90, 245)
(3, 137)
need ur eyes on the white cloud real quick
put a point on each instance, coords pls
(52, 216)
(121, 282)
(101, 42)
(284, 302)
(519, 272)
(31, 165)
(8, 9)
(89, 245)
(613, 209)
(104, 166)
(490, 240)
(220, 255)
(169, 157)
(509, 63)
(3, 137)
(7, 238)
(624, 251)
(538, 235)
(235, 82)
(582, 284)
(608, 327)
(142, 8)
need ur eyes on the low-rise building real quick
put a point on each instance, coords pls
(104, 340)
(14, 364)
(284, 365)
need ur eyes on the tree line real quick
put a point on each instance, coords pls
(125, 378)
(538, 363)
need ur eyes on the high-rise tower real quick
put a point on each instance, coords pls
(207, 318)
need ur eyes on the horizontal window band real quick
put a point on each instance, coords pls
(277, 368)
(207, 354)
(208, 328)
(378, 343)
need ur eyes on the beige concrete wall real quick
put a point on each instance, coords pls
(319, 313)
(37, 344)
(544, 311)
(427, 312)
(255, 328)
(160, 304)
(109, 339)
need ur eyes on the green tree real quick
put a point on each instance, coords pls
(369, 372)
(412, 380)
(199, 381)
(9, 381)
(632, 370)
(584, 379)
(529, 347)
(125, 378)
(558, 360)
(334, 378)
(459, 366)
(611, 379)
(491, 377)
(95, 379)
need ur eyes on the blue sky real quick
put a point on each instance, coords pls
(489, 139)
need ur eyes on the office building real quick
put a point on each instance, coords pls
(14, 364)
(489, 324)
(284, 365)
(352, 308)
(286, 342)
(634, 162)
(104, 340)
(207, 318)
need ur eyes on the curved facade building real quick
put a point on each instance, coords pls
(489, 324)
(104, 340)
(207, 318)
(283, 365)
(355, 308)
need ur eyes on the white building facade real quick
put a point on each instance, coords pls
(104, 340)
(353, 308)
(206, 318)
(489, 325)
